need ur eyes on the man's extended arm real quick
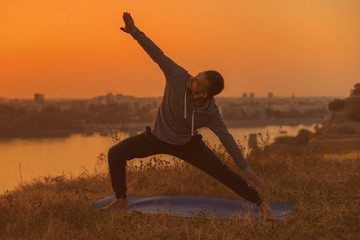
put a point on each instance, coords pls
(165, 63)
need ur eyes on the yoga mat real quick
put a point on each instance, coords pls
(199, 207)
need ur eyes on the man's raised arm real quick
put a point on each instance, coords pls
(165, 63)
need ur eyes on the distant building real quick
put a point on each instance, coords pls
(282, 107)
(119, 98)
(244, 95)
(252, 96)
(39, 98)
(102, 100)
(79, 104)
(110, 98)
(270, 95)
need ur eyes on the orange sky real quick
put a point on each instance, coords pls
(68, 49)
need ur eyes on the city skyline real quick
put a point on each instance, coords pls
(35, 95)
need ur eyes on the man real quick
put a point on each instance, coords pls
(187, 105)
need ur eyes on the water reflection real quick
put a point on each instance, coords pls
(77, 153)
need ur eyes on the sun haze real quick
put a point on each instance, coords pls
(75, 49)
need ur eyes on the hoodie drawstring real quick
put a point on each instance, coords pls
(192, 123)
(185, 105)
(192, 117)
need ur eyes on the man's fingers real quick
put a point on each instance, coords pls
(247, 180)
(253, 178)
(259, 182)
(128, 19)
(127, 15)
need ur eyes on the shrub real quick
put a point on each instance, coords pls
(336, 105)
(356, 90)
(354, 108)
(304, 136)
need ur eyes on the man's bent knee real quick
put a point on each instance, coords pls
(116, 153)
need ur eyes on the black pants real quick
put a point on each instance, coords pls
(195, 152)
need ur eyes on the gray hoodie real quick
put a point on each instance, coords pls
(178, 116)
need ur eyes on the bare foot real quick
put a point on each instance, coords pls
(267, 212)
(118, 204)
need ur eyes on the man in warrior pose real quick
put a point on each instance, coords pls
(188, 104)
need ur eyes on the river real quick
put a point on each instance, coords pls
(22, 160)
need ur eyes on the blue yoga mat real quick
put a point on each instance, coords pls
(201, 207)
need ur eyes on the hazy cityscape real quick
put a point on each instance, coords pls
(39, 116)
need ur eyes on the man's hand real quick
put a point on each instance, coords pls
(129, 22)
(251, 177)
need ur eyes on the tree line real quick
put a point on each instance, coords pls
(55, 118)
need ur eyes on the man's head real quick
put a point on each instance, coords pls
(205, 84)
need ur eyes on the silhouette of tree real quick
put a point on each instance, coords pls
(356, 90)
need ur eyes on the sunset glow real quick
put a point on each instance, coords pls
(74, 49)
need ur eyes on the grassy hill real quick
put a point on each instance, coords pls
(343, 129)
(322, 184)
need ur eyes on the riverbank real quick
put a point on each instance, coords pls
(39, 134)
(134, 127)
(325, 207)
(274, 122)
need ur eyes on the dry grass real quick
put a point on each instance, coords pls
(323, 187)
